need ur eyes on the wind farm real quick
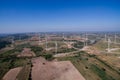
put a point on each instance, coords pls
(87, 52)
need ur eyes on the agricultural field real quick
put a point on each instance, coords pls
(25, 72)
(54, 70)
(70, 60)
(10, 63)
(9, 59)
(12, 74)
(26, 53)
(61, 47)
(111, 59)
(91, 67)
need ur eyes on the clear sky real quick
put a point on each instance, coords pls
(59, 15)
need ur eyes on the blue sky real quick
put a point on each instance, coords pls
(59, 15)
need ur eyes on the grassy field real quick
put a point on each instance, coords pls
(52, 44)
(91, 68)
(112, 60)
(102, 45)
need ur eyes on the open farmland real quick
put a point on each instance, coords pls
(112, 60)
(68, 59)
(26, 53)
(45, 70)
(12, 74)
(91, 67)
(24, 73)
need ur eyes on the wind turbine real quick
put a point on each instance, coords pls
(84, 43)
(19, 38)
(56, 45)
(105, 37)
(80, 36)
(39, 39)
(12, 40)
(86, 39)
(46, 41)
(115, 38)
(109, 44)
(63, 37)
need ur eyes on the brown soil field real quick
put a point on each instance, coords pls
(54, 70)
(26, 52)
(12, 74)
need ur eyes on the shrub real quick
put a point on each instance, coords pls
(48, 56)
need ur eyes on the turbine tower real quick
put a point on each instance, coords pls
(109, 44)
(115, 38)
(56, 45)
(80, 36)
(105, 37)
(39, 39)
(12, 41)
(84, 43)
(46, 41)
(19, 38)
(86, 39)
(63, 37)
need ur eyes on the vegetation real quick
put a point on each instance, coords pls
(78, 44)
(4, 43)
(11, 62)
(8, 60)
(101, 73)
(20, 36)
(9, 53)
(52, 44)
(48, 56)
(91, 68)
(107, 65)
(4, 67)
(64, 50)
(37, 50)
(20, 47)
